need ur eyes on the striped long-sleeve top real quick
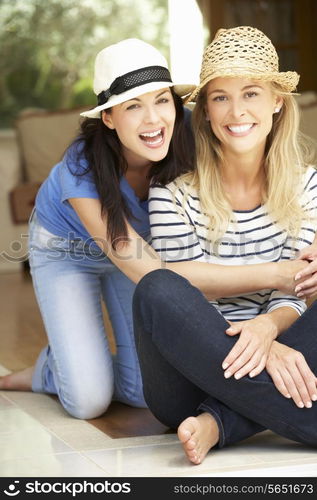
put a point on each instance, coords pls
(180, 233)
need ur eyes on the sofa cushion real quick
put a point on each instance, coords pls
(22, 199)
(43, 138)
(308, 120)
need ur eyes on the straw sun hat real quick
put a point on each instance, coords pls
(243, 52)
(128, 69)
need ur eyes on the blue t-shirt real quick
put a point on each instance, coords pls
(54, 211)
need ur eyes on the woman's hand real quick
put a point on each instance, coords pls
(286, 271)
(307, 278)
(291, 375)
(249, 354)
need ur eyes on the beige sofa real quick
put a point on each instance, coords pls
(27, 154)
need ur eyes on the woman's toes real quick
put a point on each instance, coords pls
(191, 444)
(184, 434)
(195, 459)
(198, 435)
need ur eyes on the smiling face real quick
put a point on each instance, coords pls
(241, 113)
(144, 126)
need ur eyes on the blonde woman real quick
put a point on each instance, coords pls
(223, 370)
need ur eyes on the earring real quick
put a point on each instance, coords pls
(277, 110)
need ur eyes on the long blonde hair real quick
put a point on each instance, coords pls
(288, 153)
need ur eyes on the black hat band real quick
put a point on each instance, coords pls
(134, 79)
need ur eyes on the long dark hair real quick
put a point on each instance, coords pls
(102, 150)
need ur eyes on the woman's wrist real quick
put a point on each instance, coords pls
(281, 319)
(273, 329)
(283, 275)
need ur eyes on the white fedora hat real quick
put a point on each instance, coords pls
(128, 69)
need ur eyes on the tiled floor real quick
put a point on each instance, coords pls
(38, 438)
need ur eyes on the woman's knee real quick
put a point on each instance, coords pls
(88, 404)
(158, 280)
(158, 288)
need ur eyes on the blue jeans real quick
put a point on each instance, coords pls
(70, 279)
(181, 345)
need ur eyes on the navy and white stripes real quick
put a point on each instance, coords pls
(180, 234)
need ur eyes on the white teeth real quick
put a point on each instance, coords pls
(156, 141)
(152, 134)
(240, 128)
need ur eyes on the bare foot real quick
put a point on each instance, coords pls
(18, 381)
(198, 435)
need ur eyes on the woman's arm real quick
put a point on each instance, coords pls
(308, 286)
(216, 281)
(136, 258)
(308, 276)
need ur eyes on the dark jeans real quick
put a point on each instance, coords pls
(181, 345)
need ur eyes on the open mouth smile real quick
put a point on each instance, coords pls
(240, 130)
(154, 138)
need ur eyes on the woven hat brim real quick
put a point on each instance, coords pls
(181, 89)
(287, 80)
